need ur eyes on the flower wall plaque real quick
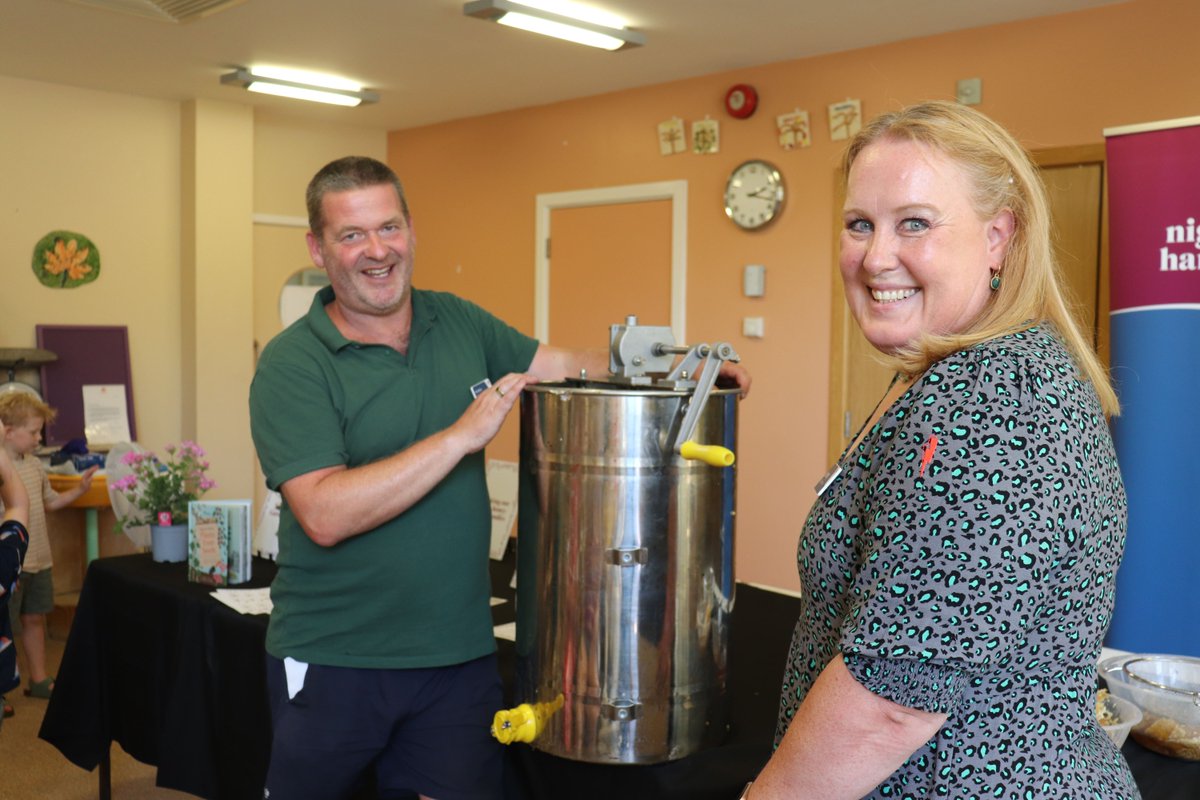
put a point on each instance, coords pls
(64, 260)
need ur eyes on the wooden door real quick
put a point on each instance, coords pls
(607, 262)
(1074, 178)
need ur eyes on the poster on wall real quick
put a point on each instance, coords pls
(671, 137)
(706, 136)
(794, 130)
(1154, 246)
(845, 119)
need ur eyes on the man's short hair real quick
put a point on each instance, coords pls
(351, 172)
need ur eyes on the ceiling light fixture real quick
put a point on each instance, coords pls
(560, 20)
(300, 85)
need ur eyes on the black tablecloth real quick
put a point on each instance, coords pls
(177, 678)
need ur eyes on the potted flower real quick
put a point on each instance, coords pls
(160, 491)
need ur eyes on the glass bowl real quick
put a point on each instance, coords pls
(1120, 715)
(1167, 690)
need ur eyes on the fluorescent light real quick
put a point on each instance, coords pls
(562, 20)
(300, 85)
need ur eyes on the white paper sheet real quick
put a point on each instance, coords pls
(502, 480)
(105, 414)
(246, 601)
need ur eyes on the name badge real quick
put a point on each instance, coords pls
(828, 479)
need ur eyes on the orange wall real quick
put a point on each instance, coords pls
(472, 185)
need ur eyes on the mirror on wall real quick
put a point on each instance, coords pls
(298, 291)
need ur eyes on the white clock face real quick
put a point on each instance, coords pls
(754, 194)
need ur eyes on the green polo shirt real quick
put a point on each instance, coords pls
(414, 591)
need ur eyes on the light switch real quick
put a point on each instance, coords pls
(754, 280)
(753, 327)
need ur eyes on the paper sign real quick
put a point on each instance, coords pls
(502, 480)
(105, 415)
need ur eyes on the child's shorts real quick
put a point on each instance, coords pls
(34, 595)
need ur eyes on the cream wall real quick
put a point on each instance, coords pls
(107, 166)
(168, 193)
(472, 186)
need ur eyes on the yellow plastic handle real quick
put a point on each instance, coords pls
(711, 454)
(525, 722)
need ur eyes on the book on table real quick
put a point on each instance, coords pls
(219, 542)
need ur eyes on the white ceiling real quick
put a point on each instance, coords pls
(430, 63)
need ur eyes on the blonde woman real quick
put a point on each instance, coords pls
(958, 565)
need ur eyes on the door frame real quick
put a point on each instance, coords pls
(675, 191)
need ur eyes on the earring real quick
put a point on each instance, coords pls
(995, 284)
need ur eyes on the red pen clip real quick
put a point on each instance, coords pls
(930, 447)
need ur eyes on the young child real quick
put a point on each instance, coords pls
(13, 541)
(23, 415)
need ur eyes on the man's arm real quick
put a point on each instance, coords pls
(843, 742)
(12, 490)
(336, 503)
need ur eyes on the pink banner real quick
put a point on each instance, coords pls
(1154, 210)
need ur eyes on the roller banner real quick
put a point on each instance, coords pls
(1154, 216)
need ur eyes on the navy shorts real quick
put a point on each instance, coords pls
(403, 730)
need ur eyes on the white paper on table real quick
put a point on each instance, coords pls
(506, 631)
(105, 414)
(246, 601)
(502, 480)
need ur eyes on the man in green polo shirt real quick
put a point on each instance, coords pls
(370, 415)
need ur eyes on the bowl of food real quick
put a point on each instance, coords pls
(1116, 716)
(1167, 690)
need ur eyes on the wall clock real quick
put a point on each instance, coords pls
(754, 194)
(741, 100)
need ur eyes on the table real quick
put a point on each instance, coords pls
(177, 678)
(91, 502)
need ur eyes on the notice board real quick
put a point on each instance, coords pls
(87, 355)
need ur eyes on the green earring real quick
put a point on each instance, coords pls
(995, 284)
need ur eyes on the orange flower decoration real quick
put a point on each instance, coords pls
(67, 257)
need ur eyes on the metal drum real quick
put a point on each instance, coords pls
(625, 570)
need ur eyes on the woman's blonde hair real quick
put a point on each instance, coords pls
(1002, 176)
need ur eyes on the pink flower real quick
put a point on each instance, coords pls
(157, 487)
(126, 483)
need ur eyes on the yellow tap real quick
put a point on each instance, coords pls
(525, 722)
(711, 454)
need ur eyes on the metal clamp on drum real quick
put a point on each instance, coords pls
(636, 351)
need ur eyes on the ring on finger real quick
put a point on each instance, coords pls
(499, 391)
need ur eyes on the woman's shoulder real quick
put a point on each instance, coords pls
(1012, 366)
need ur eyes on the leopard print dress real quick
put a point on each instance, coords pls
(963, 562)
